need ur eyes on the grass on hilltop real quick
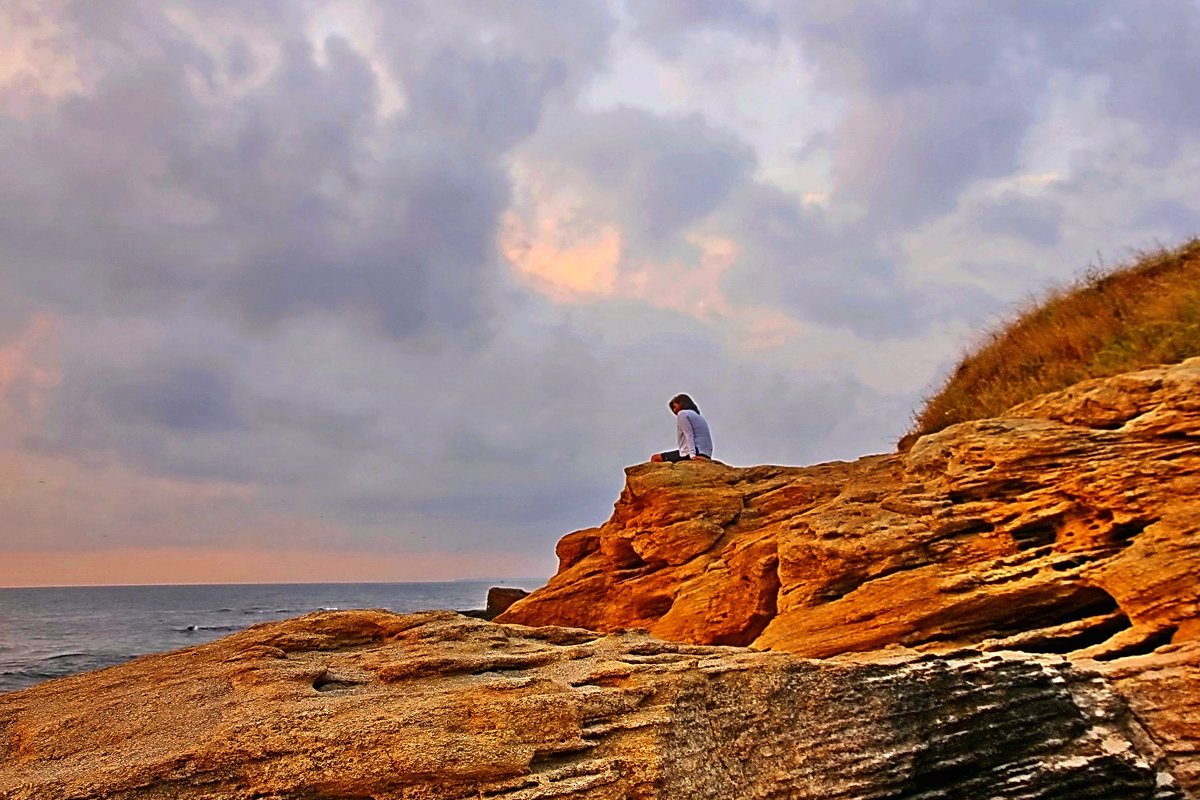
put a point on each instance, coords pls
(1107, 322)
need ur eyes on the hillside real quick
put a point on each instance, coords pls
(1108, 322)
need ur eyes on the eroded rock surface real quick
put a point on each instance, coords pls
(1069, 526)
(355, 705)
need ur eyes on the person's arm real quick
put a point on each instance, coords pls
(687, 438)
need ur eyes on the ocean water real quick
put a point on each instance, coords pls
(51, 632)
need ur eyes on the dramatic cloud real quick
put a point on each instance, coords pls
(347, 290)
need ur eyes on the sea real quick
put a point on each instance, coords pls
(51, 632)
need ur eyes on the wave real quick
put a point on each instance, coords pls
(217, 628)
(269, 611)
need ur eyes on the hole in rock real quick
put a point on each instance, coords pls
(1035, 534)
(330, 683)
(993, 491)
(1123, 534)
(622, 555)
(1069, 563)
(654, 606)
(501, 667)
(1104, 628)
(1083, 603)
(1088, 601)
(838, 589)
(758, 621)
(755, 625)
(1145, 646)
(548, 762)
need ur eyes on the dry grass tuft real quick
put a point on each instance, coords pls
(1106, 323)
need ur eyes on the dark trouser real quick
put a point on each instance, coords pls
(673, 455)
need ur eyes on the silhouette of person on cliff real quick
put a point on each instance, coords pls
(691, 431)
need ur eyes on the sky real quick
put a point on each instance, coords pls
(322, 290)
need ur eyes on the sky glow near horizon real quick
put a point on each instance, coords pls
(338, 291)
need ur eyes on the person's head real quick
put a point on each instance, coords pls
(681, 401)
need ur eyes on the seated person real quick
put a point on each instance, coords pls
(691, 431)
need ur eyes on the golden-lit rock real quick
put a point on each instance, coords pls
(1069, 526)
(368, 704)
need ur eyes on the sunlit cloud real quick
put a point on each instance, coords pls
(35, 68)
(689, 287)
(563, 248)
(565, 264)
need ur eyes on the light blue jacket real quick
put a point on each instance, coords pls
(692, 432)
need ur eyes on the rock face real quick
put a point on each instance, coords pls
(1068, 526)
(355, 705)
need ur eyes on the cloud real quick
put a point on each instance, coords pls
(656, 176)
(939, 96)
(176, 177)
(188, 398)
(416, 280)
(666, 24)
(1032, 218)
(29, 374)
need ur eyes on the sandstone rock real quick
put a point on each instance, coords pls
(1061, 528)
(1068, 526)
(500, 598)
(355, 705)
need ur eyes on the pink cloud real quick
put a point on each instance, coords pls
(35, 68)
(131, 566)
(564, 265)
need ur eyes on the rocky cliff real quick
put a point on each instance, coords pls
(1006, 610)
(1068, 526)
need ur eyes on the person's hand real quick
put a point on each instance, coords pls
(657, 457)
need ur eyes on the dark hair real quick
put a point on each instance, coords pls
(684, 402)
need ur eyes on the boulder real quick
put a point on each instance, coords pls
(500, 598)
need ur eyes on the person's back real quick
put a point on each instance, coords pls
(695, 439)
